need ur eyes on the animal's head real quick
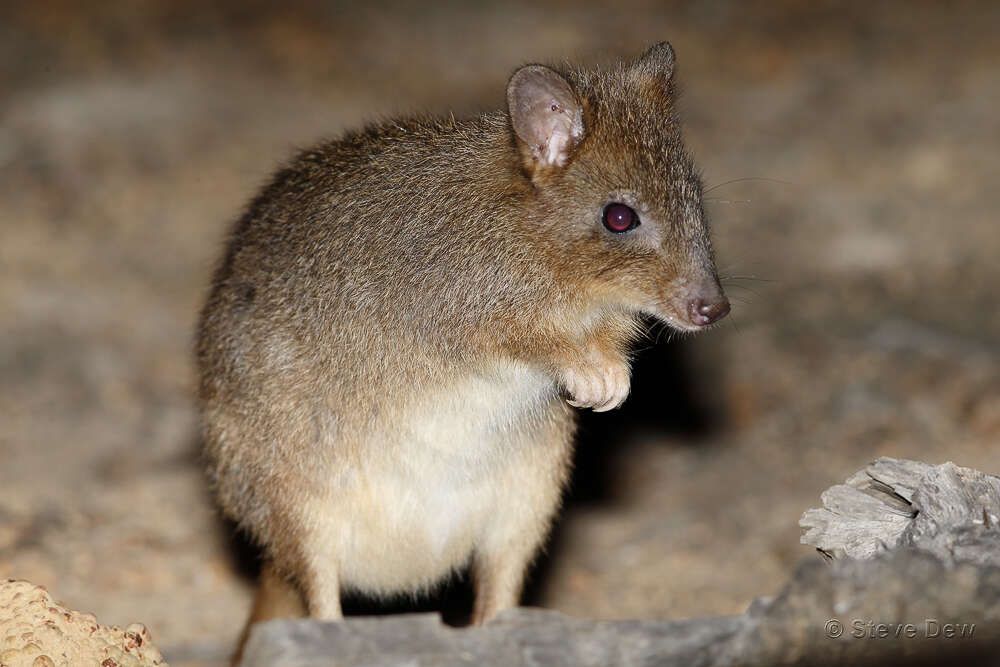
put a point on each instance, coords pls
(615, 187)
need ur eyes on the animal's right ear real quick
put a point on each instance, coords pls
(546, 115)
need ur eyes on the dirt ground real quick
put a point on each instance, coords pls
(851, 154)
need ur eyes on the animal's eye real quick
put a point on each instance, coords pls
(619, 218)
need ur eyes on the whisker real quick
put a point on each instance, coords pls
(745, 288)
(742, 282)
(747, 178)
(664, 329)
(733, 264)
(716, 200)
(726, 276)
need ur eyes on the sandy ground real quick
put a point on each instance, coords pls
(852, 157)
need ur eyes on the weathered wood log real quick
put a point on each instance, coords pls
(914, 575)
(949, 511)
(517, 637)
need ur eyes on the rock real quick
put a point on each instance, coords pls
(37, 631)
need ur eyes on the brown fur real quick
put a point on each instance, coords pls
(401, 313)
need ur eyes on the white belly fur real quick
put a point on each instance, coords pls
(422, 500)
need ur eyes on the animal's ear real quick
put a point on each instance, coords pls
(658, 61)
(546, 115)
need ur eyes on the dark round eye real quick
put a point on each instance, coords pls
(619, 218)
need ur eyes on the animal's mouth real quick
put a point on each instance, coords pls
(671, 320)
(691, 308)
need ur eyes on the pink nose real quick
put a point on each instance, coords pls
(706, 311)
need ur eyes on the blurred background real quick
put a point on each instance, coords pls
(850, 154)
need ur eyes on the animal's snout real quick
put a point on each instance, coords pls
(705, 310)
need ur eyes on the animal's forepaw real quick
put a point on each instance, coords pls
(600, 383)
